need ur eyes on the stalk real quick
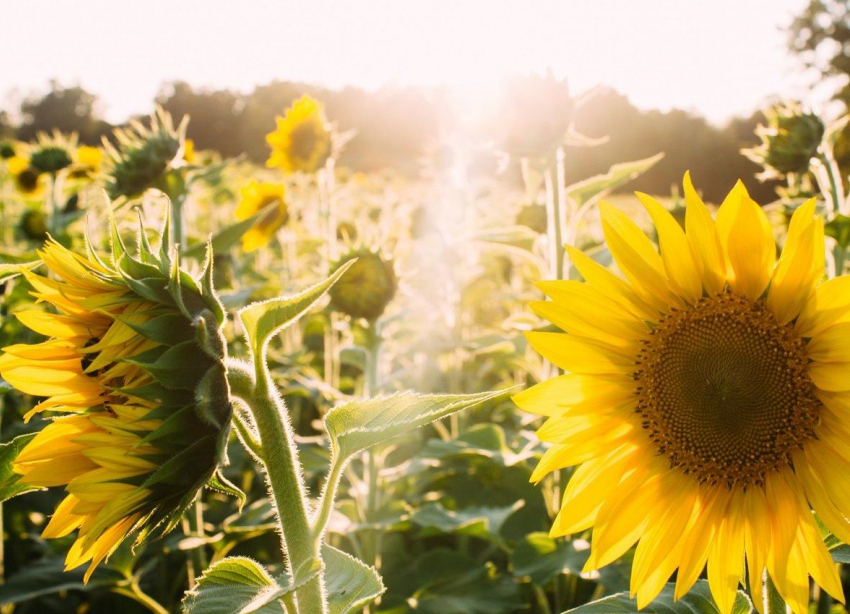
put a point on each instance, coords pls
(285, 482)
(177, 235)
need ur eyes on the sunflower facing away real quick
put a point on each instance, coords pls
(706, 401)
(302, 140)
(133, 365)
(257, 197)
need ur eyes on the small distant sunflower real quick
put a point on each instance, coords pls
(189, 153)
(367, 287)
(134, 364)
(52, 153)
(302, 141)
(706, 401)
(258, 197)
(143, 155)
(7, 150)
(27, 178)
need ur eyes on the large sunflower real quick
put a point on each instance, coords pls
(706, 401)
(302, 140)
(134, 364)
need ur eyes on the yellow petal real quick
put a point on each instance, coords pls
(681, 266)
(703, 237)
(726, 556)
(747, 239)
(829, 305)
(800, 267)
(576, 355)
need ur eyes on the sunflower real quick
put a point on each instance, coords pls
(28, 180)
(368, 286)
(302, 140)
(706, 401)
(257, 197)
(133, 366)
(89, 157)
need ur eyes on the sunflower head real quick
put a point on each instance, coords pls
(132, 373)
(536, 116)
(303, 138)
(706, 400)
(367, 287)
(267, 198)
(788, 142)
(143, 155)
(52, 153)
(89, 157)
(7, 150)
(34, 225)
(534, 217)
(28, 180)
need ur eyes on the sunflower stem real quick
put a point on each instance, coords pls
(773, 602)
(255, 388)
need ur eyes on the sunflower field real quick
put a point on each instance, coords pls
(229, 387)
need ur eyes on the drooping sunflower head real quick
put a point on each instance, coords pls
(368, 286)
(142, 155)
(267, 198)
(706, 400)
(52, 153)
(788, 142)
(133, 375)
(303, 138)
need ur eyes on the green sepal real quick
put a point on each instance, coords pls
(178, 422)
(152, 288)
(174, 285)
(116, 242)
(221, 484)
(179, 367)
(146, 254)
(175, 467)
(10, 484)
(210, 338)
(208, 292)
(212, 397)
(157, 393)
(165, 329)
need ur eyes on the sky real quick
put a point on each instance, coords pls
(717, 57)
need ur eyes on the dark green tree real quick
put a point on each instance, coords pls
(70, 109)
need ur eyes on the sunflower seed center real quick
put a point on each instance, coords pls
(724, 391)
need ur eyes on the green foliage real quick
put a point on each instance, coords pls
(10, 485)
(697, 601)
(350, 583)
(358, 425)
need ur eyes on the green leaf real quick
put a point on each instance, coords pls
(221, 484)
(224, 239)
(541, 558)
(357, 425)
(47, 576)
(10, 485)
(599, 186)
(11, 270)
(350, 584)
(839, 229)
(239, 585)
(697, 601)
(482, 522)
(262, 320)
(841, 554)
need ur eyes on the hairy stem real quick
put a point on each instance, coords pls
(254, 387)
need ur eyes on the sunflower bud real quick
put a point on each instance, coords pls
(134, 365)
(788, 142)
(143, 156)
(51, 154)
(34, 225)
(303, 138)
(367, 287)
